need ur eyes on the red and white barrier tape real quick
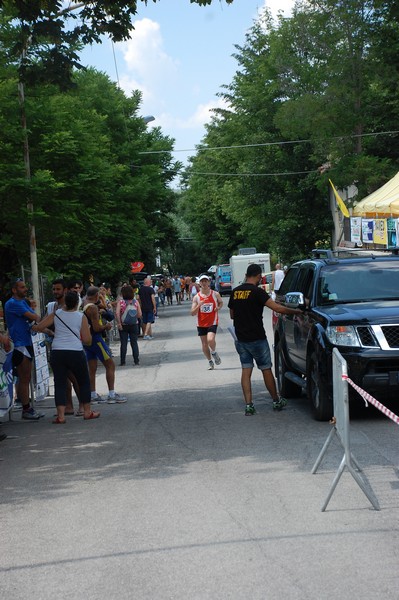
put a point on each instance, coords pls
(366, 397)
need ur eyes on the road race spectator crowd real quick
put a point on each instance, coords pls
(79, 324)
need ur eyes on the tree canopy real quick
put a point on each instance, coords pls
(316, 89)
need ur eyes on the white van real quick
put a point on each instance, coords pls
(240, 263)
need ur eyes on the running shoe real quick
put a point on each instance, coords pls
(211, 365)
(279, 404)
(216, 358)
(31, 414)
(99, 400)
(117, 399)
(249, 410)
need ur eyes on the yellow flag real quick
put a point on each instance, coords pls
(339, 200)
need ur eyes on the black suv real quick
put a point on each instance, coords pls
(351, 303)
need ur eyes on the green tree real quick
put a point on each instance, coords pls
(263, 210)
(94, 214)
(54, 33)
(313, 90)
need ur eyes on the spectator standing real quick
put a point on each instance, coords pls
(161, 293)
(59, 288)
(128, 330)
(206, 305)
(168, 291)
(19, 317)
(187, 283)
(98, 350)
(71, 328)
(76, 285)
(194, 288)
(177, 288)
(148, 307)
(277, 278)
(156, 296)
(246, 309)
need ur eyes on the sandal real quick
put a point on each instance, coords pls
(58, 421)
(92, 415)
(79, 413)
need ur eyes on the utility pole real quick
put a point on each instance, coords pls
(32, 232)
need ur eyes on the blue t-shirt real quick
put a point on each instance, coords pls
(18, 325)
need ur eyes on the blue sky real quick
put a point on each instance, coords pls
(179, 56)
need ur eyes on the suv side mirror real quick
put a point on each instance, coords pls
(295, 300)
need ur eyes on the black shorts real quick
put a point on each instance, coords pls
(206, 330)
(18, 356)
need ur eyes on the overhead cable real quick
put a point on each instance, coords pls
(265, 144)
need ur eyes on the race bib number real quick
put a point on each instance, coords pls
(207, 308)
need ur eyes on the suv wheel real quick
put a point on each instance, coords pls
(287, 388)
(317, 392)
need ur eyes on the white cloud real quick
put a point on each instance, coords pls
(145, 57)
(167, 92)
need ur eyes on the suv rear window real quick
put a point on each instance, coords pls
(358, 282)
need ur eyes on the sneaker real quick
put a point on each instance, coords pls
(279, 404)
(211, 365)
(117, 399)
(146, 337)
(99, 400)
(216, 358)
(31, 414)
(249, 410)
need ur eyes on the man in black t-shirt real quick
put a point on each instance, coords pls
(246, 309)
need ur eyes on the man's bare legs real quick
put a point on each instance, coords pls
(246, 375)
(109, 374)
(270, 383)
(205, 346)
(24, 373)
(148, 329)
(211, 338)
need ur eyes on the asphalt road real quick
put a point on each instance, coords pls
(177, 495)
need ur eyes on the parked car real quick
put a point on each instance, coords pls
(349, 303)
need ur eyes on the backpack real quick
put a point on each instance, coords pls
(129, 316)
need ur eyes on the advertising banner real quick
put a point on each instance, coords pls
(6, 382)
(392, 227)
(367, 231)
(42, 382)
(380, 233)
(356, 230)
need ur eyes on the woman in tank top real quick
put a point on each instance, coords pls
(71, 331)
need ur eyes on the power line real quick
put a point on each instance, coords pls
(255, 174)
(265, 144)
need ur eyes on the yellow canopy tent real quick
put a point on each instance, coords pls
(382, 203)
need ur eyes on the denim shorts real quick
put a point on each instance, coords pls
(257, 351)
(148, 316)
